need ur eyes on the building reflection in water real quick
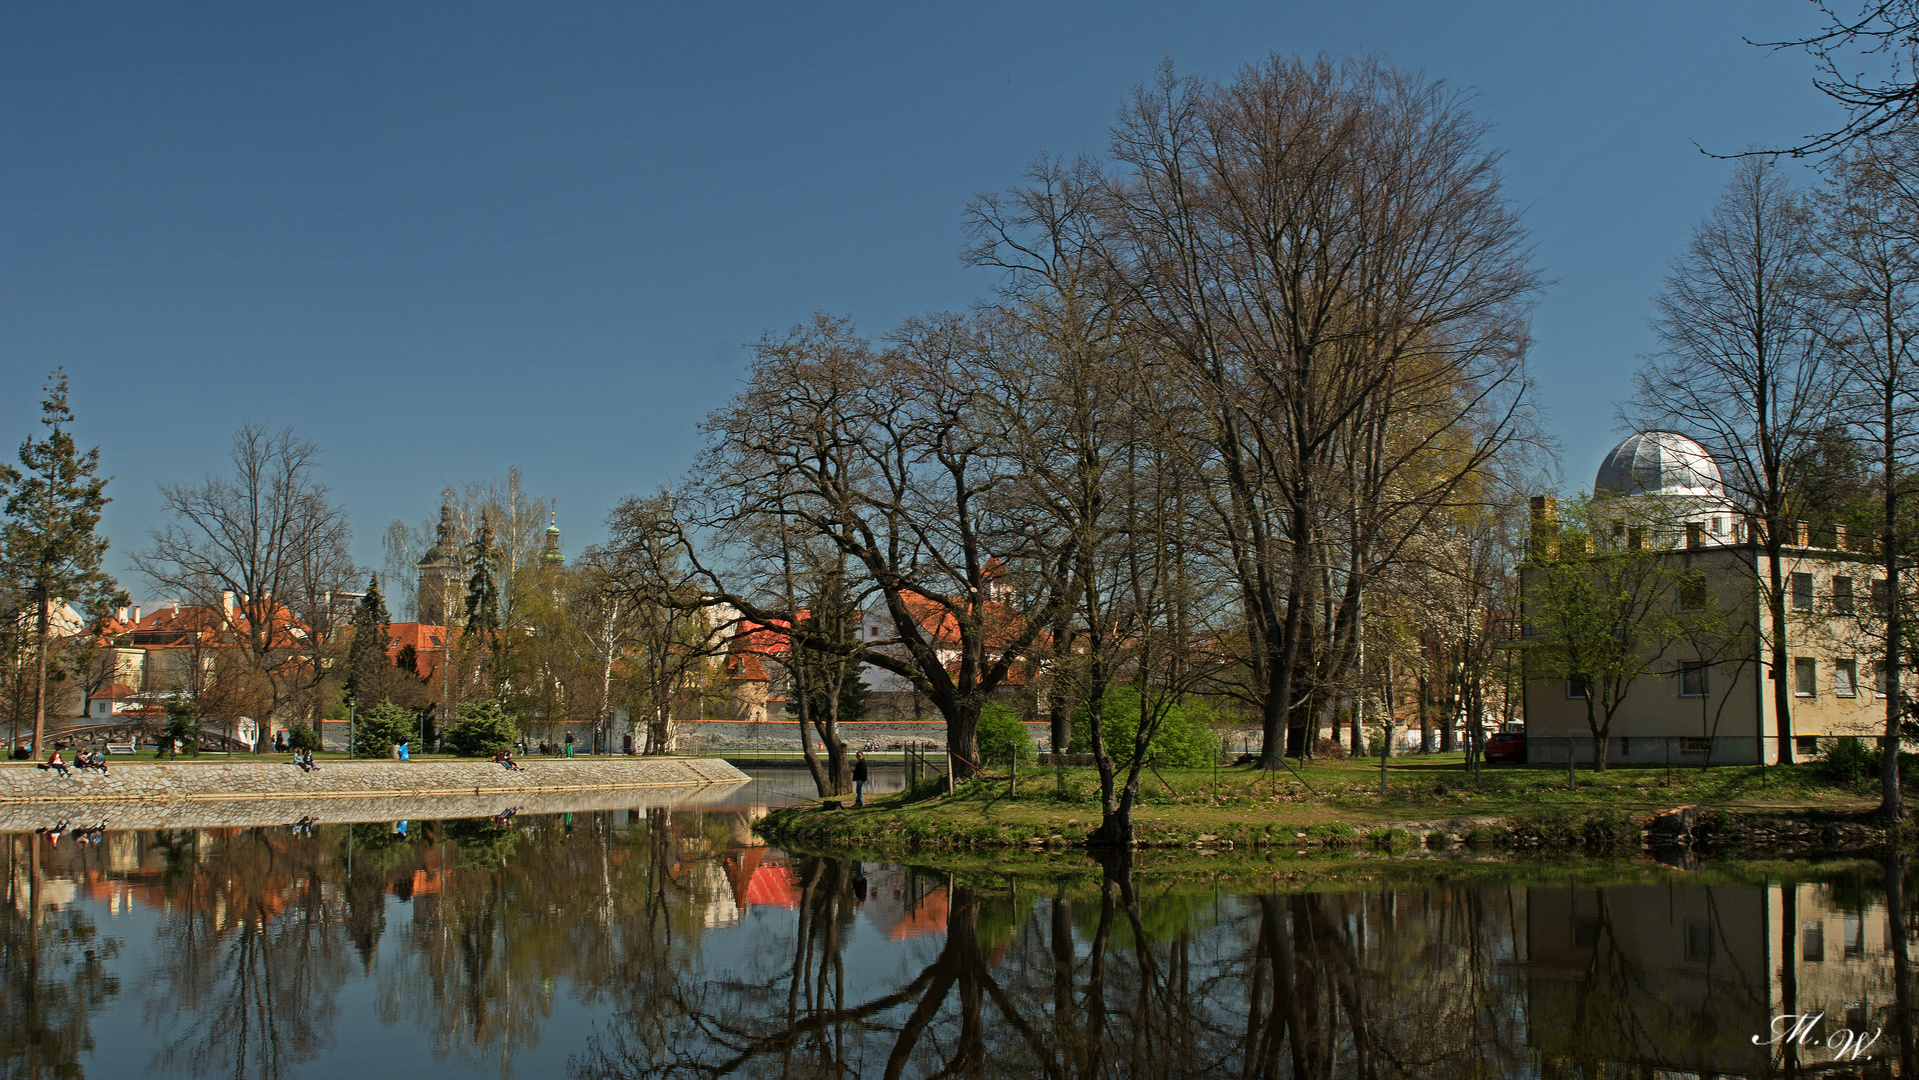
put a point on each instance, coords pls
(687, 948)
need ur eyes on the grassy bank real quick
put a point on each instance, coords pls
(1329, 804)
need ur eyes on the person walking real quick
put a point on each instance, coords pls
(859, 778)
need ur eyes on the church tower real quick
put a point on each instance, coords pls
(550, 557)
(442, 580)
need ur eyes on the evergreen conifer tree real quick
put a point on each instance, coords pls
(483, 603)
(366, 653)
(49, 549)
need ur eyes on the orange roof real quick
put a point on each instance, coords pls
(936, 621)
(115, 691)
(928, 917)
(424, 637)
(775, 886)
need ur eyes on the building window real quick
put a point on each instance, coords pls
(1625, 746)
(1636, 538)
(1842, 595)
(1575, 689)
(1692, 591)
(1692, 679)
(1845, 678)
(1879, 677)
(1695, 744)
(1802, 592)
(1880, 592)
(1695, 534)
(1805, 745)
(1805, 676)
(1855, 936)
(1812, 942)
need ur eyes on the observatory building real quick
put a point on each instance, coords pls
(1713, 700)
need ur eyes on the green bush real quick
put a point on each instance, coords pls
(1847, 762)
(300, 736)
(378, 730)
(1185, 739)
(481, 729)
(1002, 737)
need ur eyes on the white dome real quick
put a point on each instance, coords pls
(1659, 463)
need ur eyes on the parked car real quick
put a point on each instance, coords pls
(1506, 746)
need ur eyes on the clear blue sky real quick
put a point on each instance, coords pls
(444, 239)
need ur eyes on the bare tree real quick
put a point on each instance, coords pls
(1867, 58)
(888, 458)
(672, 633)
(1321, 251)
(263, 550)
(1745, 368)
(1871, 259)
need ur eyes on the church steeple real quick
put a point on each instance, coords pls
(442, 585)
(550, 554)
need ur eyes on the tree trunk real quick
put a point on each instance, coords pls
(1781, 669)
(42, 618)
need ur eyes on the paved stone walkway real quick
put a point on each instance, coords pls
(129, 782)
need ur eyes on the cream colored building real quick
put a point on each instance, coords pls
(1717, 698)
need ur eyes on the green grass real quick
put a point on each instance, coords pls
(1325, 803)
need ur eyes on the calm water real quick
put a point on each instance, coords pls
(663, 943)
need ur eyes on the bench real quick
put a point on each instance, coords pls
(121, 748)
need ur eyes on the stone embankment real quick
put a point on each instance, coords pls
(351, 809)
(131, 783)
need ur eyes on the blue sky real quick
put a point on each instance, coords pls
(441, 240)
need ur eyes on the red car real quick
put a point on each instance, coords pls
(1506, 746)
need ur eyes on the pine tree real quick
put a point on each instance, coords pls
(51, 552)
(366, 653)
(483, 604)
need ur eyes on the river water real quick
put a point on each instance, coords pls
(669, 943)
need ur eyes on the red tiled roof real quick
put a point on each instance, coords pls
(774, 886)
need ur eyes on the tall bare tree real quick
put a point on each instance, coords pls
(1870, 255)
(263, 550)
(1745, 368)
(1320, 250)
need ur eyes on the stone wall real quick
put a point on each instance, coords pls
(348, 809)
(166, 782)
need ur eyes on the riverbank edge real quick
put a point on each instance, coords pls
(134, 783)
(1736, 831)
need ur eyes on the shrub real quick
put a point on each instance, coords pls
(302, 737)
(1847, 762)
(1002, 737)
(379, 729)
(481, 729)
(1185, 738)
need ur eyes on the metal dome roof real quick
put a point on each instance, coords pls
(1659, 463)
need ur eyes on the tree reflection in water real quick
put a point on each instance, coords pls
(52, 973)
(1086, 982)
(695, 952)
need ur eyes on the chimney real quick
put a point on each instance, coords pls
(121, 614)
(1839, 537)
(136, 613)
(1545, 526)
(226, 602)
(1804, 537)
